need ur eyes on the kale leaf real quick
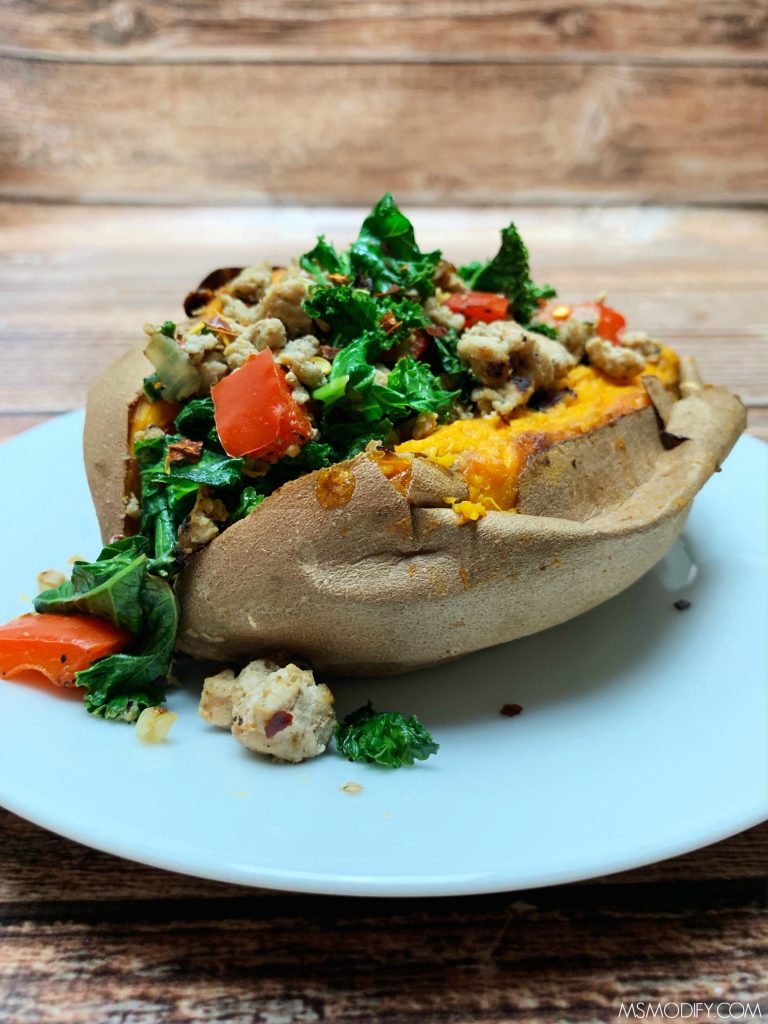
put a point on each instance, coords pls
(118, 588)
(122, 685)
(385, 738)
(508, 273)
(349, 311)
(324, 260)
(169, 491)
(384, 256)
(386, 252)
(412, 386)
(110, 587)
(196, 419)
(250, 498)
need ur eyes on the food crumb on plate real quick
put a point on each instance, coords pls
(351, 787)
(154, 724)
(510, 710)
(682, 605)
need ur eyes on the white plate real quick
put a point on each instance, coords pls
(643, 734)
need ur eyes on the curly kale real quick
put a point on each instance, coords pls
(385, 738)
(508, 273)
(117, 587)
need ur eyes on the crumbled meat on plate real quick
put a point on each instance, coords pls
(280, 711)
(216, 699)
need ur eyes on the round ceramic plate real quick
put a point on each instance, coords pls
(642, 735)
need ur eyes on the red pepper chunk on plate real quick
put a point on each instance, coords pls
(57, 646)
(256, 413)
(479, 307)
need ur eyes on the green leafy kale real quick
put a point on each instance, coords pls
(122, 685)
(324, 260)
(384, 257)
(169, 491)
(454, 373)
(385, 738)
(412, 386)
(118, 588)
(349, 311)
(109, 588)
(168, 328)
(508, 273)
(367, 327)
(250, 498)
(386, 252)
(196, 419)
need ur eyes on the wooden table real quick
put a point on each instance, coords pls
(89, 937)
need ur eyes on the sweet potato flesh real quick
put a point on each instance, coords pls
(490, 453)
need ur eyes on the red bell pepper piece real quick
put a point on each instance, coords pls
(608, 322)
(256, 413)
(479, 307)
(57, 646)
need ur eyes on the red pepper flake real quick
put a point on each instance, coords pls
(510, 710)
(390, 323)
(682, 605)
(185, 451)
(338, 279)
(279, 721)
(221, 326)
(328, 352)
(392, 290)
(436, 332)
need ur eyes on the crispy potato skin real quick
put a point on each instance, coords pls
(387, 582)
(105, 437)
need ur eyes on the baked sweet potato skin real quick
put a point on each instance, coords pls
(387, 582)
(108, 408)
(381, 585)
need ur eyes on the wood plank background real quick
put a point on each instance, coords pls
(385, 30)
(492, 101)
(91, 938)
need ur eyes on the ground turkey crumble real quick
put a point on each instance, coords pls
(276, 710)
(512, 363)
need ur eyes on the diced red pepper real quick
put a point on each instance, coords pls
(608, 322)
(479, 307)
(256, 413)
(57, 646)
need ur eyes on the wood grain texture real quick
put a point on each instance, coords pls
(259, 133)
(393, 30)
(90, 937)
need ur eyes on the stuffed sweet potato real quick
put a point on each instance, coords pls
(374, 461)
